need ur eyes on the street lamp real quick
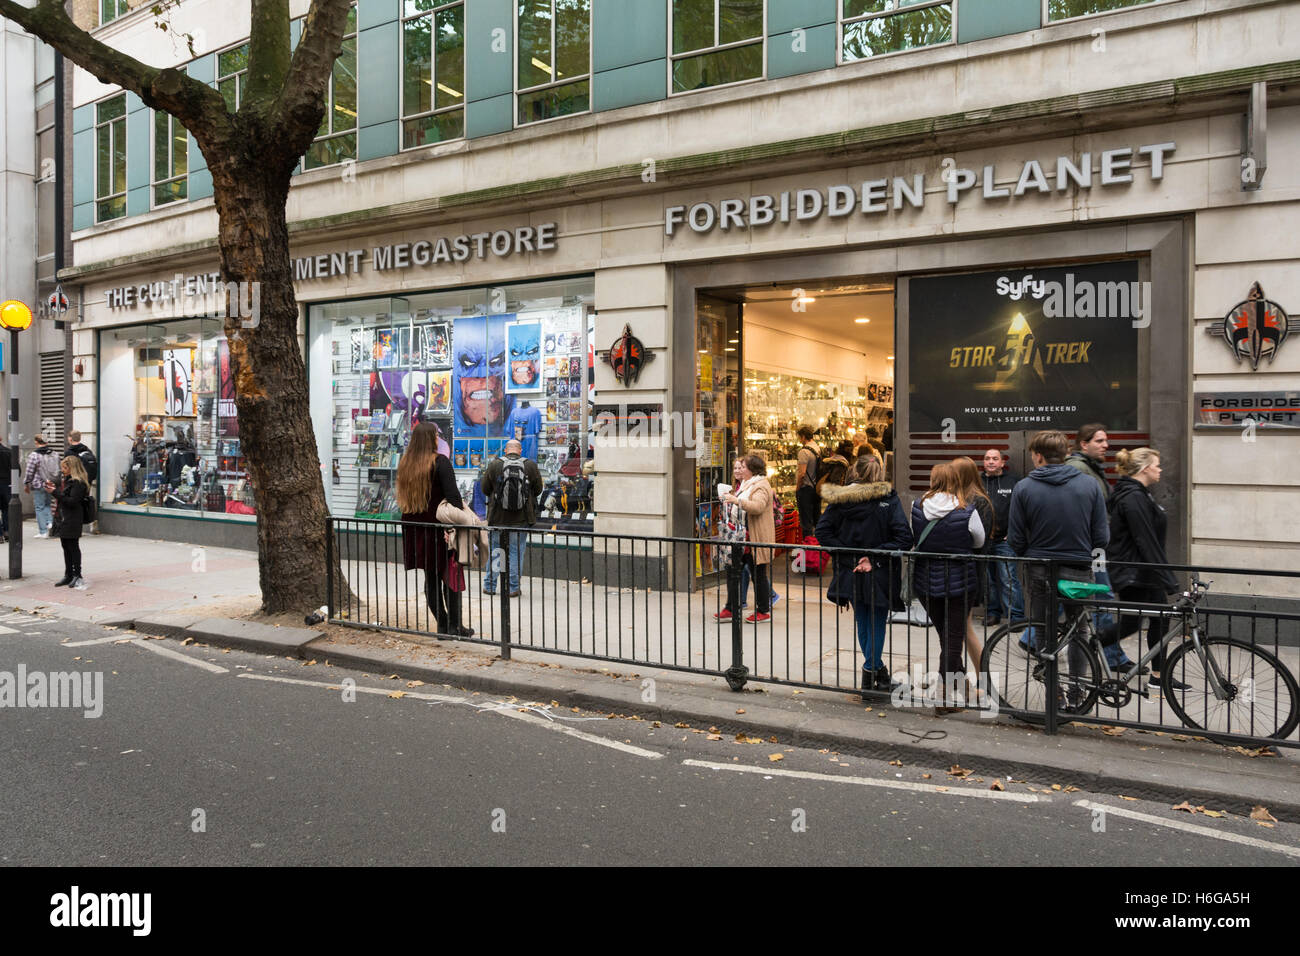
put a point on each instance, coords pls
(16, 317)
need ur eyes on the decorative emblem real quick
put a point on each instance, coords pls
(627, 356)
(1255, 329)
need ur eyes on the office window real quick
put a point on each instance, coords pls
(110, 10)
(232, 73)
(433, 72)
(337, 139)
(554, 76)
(110, 158)
(169, 159)
(1065, 9)
(716, 42)
(874, 27)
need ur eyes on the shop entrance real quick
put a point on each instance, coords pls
(772, 358)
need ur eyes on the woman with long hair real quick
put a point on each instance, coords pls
(947, 588)
(972, 493)
(69, 515)
(424, 480)
(864, 515)
(1137, 537)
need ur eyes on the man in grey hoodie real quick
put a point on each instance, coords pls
(1057, 512)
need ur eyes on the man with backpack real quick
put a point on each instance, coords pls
(89, 462)
(511, 485)
(42, 469)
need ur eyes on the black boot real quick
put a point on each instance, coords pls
(454, 627)
(68, 578)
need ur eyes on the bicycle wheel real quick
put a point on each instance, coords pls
(1015, 671)
(1263, 698)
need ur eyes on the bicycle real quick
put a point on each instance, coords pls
(1218, 685)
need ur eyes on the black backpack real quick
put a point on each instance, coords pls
(89, 462)
(512, 492)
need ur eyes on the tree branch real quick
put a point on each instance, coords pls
(301, 105)
(199, 107)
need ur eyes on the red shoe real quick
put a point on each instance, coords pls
(723, 615)
(758, 618)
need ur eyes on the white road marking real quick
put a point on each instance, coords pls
(497, 707)
(8, 630)
(158, 648)
(581, 735)
(101, 640)
(1190, 828)
(953, 791)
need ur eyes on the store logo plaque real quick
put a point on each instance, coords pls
(627, 356)
(1255, 329)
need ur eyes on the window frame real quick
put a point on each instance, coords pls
(238, 75)
(589, 76)
(123, 4)
(112, 151)
(841, 20)
(402, 116)
(153, 161)
(1136, 5)
(735, 44)
(355, 129)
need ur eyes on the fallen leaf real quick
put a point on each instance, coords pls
(1113, 731)
(741, 738)
(740, 710)
(1187, 807)
(958, 772)
(798, 692)
(895, 763)
(713, 730)
(1261, 823)
(942, 789)
(397, 694)
(997, 785)
(773, 740)
(1056, 786)
(1122, 797)
(868, 710)
(925, 776)
(655, 724)
(1071, 789)
(775, 757)
(1260, 814)
(681, 725)
(1215, 813)
(188, 640)
(711, 737)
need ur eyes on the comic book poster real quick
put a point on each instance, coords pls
(480, 403)
(437, 346)
(524, 354)
(440, 392)
(178, 386)
(227, 416)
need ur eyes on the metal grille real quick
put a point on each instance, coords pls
(53, 410)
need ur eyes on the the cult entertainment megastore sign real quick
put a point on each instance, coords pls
(1115, 167)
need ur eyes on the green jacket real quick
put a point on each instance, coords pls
(1090, 467)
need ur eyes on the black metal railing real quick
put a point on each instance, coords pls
(640, 600)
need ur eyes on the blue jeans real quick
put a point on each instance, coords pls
(744, 587)
(871, 620)
(1105, 620)
(518, 544)
(41, 499)
(1004, 585)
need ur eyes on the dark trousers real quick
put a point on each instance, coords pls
(1131, 623)
(443, 602)
(5, 492)
(71, 557)
(948, 615)
(762, 592)
(810, 508)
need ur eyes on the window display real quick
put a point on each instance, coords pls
(174, 443)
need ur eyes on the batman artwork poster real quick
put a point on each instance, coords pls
(480, 405)
(524, 356)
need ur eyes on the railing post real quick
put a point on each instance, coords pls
(503, 588)
(737, 673)
(1051, 675)
(329, 567)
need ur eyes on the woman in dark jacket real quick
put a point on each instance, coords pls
(1137, 534)
(948, 587)
(863, 515)
(424, 480)
(70, 496)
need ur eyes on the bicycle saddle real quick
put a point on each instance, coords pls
(1081, 590)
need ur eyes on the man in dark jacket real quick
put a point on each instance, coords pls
(511, 485)
(1004, 583)
(1090, 460)
(1056, 513)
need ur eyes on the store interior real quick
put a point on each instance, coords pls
(772, 358)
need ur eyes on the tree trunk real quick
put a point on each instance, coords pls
(275, 428)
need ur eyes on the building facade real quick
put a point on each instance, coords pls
(979, 217)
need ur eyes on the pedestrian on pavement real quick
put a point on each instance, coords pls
(42, 470)
(887, 436)
(1056, 513)
(865, 515)
(511, 485)
(1090, 459)
(425, 480)
(736, 480)
(805, 492)
(1004, 596)
(972, 493)
(6, 488)
(70, 493)
(1137, 535)
(753, 503)
(948, 588)
(833, 469)
(88, 461)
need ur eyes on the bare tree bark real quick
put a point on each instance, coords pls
(251, 154)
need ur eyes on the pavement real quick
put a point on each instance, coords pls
(209, 596)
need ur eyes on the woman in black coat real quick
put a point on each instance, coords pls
(1137, 534)
(69, 515)
(424, 480)
(864, 515)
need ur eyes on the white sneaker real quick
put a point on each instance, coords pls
(79, 584)
(41, 534)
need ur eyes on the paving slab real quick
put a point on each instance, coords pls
(251, 636)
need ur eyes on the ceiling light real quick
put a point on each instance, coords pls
(729, 350)
(862, 321)
(806, 299)
(733, 341)
(889, 358)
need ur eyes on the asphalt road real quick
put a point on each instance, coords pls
(202, 757)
